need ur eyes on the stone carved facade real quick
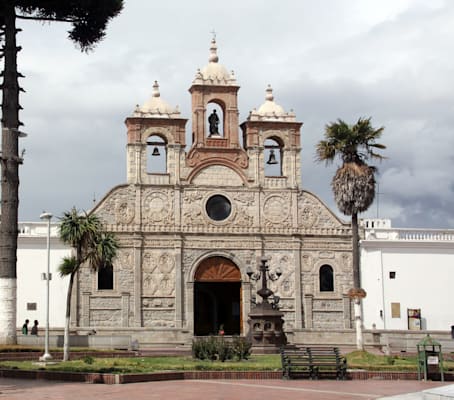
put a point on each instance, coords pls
(217, 201)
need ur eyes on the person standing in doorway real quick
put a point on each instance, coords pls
(35, 328)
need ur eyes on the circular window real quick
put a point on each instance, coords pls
(218, 207)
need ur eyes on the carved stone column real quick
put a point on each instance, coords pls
(347, 311)
(189, 295)
(308, 302)
(85, 315)
(138, 319)
(125, 309)
(246, 303)
(179, 292)
(298, 288)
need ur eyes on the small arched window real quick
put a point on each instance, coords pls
(156, 155)
(105, 277)
(214, 121)
(273, 158)
(326, 278)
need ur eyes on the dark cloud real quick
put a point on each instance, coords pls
(327, 60)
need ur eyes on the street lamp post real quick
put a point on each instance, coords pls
(46, 356)
(265, 320)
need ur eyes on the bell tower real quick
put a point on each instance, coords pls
(215, 113)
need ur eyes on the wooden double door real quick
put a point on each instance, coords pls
(217, 298)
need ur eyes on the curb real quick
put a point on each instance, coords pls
(110, 379)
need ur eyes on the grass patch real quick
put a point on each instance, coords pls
(373, 362)
(355, 360)
(152, 364)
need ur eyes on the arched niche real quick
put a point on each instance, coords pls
(214, 112)
(156, 154)
(273, 156)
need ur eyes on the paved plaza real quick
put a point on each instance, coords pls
(217, 390)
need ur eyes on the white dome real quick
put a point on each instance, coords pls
(214, 73)
(269, 107)
(270, 110)
(156, 107)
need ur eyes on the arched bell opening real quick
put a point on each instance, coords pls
(273, 155)
(156, 155)
(217, 298)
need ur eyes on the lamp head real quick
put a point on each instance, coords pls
(46, 216)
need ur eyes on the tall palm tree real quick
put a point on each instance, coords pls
(85, 234)
(354, 181)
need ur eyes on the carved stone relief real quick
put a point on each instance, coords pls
(276, 209)
(118, 208)
(124, 259)
(244, 207)
(312, 213)
(158, 302)
(285, 285)
(346, 262)
(124, 212)
(158, 206)
(306, 262)
(158, 274)
(308, 216)
(159, 318)
(105, 317)
(192, 209)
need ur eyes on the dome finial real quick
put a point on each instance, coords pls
(155, 92)
(213, 49)
(269, 93)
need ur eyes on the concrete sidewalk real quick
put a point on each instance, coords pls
(217, 390)
(439, 393)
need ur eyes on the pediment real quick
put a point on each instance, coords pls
(216, 175)
(314, 214)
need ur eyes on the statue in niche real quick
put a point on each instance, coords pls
(213, 120)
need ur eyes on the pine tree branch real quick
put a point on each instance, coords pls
(45, 18)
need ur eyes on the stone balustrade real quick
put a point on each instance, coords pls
(403, 234)
(37, 229)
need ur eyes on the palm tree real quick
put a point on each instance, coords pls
(353, 183)
(85, 234)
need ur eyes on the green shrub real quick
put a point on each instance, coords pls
(390, 360)
(218, 348)
(241, 348)
(89, 360)
(224, 350)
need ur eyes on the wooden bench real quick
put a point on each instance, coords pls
(296, 363)
(312, 362)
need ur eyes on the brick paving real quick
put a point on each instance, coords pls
(211, 389)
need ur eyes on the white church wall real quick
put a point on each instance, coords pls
(405, 269)
(31, 287)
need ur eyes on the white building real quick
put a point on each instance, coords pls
(407, 273)
(31, 285)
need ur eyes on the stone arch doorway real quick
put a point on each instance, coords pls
(217, 297)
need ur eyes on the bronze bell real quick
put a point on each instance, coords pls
(155, 152)
(272, 159)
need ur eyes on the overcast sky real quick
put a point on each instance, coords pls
(392, 60)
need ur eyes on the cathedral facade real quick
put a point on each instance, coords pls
(192, 223)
